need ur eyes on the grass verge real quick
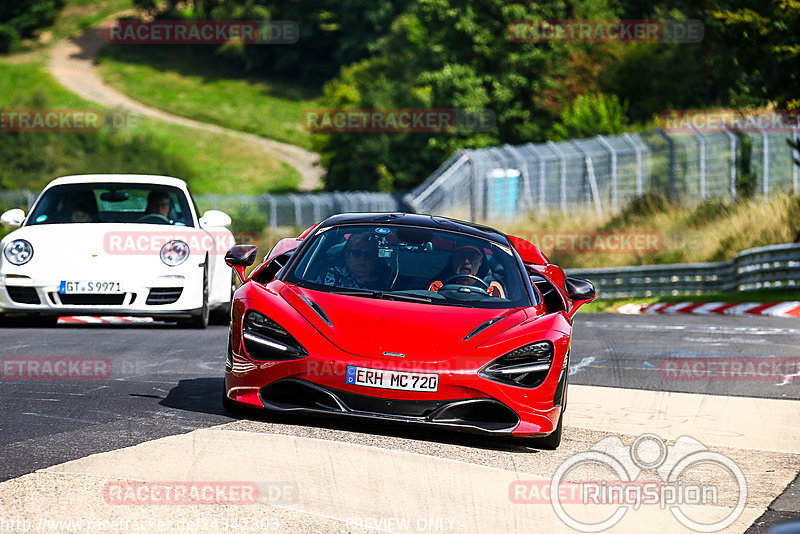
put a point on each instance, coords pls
(194, 82)
(209, 162)
(708, 232)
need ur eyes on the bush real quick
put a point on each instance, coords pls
(746, 178)
(8, 38)
(32, 159)
(590, 115)
(20, 18)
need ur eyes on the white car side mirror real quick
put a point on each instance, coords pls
(215, 218)
(15, 217)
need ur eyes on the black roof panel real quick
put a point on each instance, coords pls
(415, 219)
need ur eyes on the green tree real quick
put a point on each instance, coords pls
(441, 54)
(20, 18)
(590, 115)
(764, 39)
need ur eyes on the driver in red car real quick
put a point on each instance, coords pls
(466, 260)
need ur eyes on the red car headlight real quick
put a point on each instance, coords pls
(266, 340)
(526, 366)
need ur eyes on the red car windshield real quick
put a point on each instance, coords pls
(411, 263)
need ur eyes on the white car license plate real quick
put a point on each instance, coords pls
(381, 378)
(89, 286)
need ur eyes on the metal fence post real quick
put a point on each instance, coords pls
(542, 177)
(764, 157)
(30, 198)
(614, 175)
(563, 159)
(589, 166)
(671, 145)
(473, 186)
(702, 140)
(795, 156)
(638, 151)
(732, 137)
(273, 212)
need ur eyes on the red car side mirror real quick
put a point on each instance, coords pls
(239, 257)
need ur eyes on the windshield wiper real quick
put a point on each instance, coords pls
(354, 292)
(381, 295)
(406, 297)
(452, 302)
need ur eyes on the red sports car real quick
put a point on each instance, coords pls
(404, 317)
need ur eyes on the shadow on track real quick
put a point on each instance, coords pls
(205, 395)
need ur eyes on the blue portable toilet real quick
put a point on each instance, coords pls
(503, 189)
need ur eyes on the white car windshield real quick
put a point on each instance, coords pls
(112, 203)
(412, 263)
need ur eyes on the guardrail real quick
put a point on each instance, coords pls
(772, 267)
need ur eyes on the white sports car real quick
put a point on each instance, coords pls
(107, 244)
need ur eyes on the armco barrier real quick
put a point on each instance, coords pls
(772, 267)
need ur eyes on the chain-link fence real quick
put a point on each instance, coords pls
(508, 182)
(254, 212)
(296, 210)
(603, 173)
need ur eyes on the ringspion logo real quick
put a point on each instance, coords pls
(675, 487)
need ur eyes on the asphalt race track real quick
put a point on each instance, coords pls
(148, 409)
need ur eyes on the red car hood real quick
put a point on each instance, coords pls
(422, 332)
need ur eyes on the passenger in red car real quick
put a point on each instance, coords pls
(466, 260)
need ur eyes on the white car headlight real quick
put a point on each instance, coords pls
(174, 252)
(18, 252)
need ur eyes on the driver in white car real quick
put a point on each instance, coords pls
(158, 204)
(466, 260)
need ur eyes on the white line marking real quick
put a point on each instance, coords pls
(787, 377)
(62, 418)
(580, 365)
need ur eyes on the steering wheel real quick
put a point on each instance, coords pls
(472, 277)
(154, 217)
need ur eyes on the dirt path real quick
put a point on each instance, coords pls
(72, 64)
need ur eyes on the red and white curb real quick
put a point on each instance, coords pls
(105, 319)
(772, 309)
